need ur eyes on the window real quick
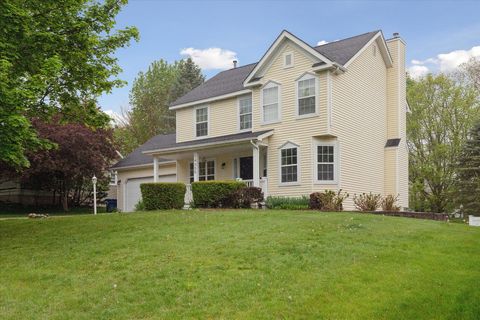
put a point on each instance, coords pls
(306, 87)
(245, 112)
(206, 171)
(113, 178)
(201, 121)
(270, 104)
(326, 162)
(288, 60)
(289, 164)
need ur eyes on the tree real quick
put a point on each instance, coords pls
(467, 179)
(150, 97)
(67, 169)
(442, 111)
(54, 55)
(189, 76)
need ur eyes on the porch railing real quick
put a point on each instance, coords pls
(188, 196)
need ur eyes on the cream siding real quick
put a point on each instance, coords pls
(359, 122)
(223, 120)
(141, 172)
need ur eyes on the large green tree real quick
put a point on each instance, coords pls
(150, 97)
(442, 112)
(55, 57)
(467, 193)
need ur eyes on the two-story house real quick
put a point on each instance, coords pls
(302, 119)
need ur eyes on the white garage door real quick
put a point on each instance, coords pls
(133, 193)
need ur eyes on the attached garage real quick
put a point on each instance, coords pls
(137, 168)
(132, 189)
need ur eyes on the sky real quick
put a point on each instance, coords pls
(439, 34)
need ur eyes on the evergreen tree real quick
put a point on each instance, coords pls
(189, 76)
(468, 174)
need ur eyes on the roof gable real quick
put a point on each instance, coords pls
(274, 49)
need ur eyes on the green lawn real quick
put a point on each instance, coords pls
(238, 265)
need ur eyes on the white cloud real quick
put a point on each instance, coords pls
(321, 43)
(418, 71)
(444, 62)
(211, 58)
(117, 118)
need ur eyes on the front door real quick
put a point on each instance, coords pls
(246, 168)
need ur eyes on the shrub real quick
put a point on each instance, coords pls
(367, 202)
(288, 203)
(245, 197)
(163, 195)
(389, 203)
(140, 206)
(327, 200)
(214, 194)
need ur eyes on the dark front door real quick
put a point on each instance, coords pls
(246, 168)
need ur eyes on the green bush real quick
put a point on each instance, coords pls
(163, 195)
(367, 201)
(287, 203)
(214, 194)
(327, 200)
(140, 206)
(246, 197)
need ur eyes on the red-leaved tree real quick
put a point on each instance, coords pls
(67, 170)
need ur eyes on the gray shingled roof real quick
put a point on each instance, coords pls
(192, 143)
(168, 141)
(137, 157)
(342, 51)
(231, 80)
(225, 82)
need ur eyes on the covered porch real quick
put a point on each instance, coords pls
(236, 157)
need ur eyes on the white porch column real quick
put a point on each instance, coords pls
(196, 170)
(155, 169)
(256, 165)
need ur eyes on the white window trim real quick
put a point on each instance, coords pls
(285, 65)
(268, 85)
(289, 145)
(115, 173)
(238, 113)
(336, 163)
(195, 121)
(206, 160)
(307, 76)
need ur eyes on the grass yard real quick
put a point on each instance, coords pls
(238, 265)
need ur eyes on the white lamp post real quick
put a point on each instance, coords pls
(94, 181)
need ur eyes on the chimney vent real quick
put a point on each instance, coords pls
(234, 64)
(396, 35)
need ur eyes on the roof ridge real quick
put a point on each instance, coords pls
(358, 35)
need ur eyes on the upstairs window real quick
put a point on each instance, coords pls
(206, 171)
(289, 163)
(201, 118)
(270, 103)
(245, 112)
(306, 93)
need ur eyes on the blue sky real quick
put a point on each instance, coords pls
(439, 34)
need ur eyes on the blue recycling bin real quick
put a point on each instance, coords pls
(111, 204)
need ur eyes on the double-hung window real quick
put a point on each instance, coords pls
(245, 112)
(306, 94)
(201, 121)
(326, 163)
(289, 164)
(206, 171)
(271, 103)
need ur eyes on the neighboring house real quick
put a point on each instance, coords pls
(300, 120)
